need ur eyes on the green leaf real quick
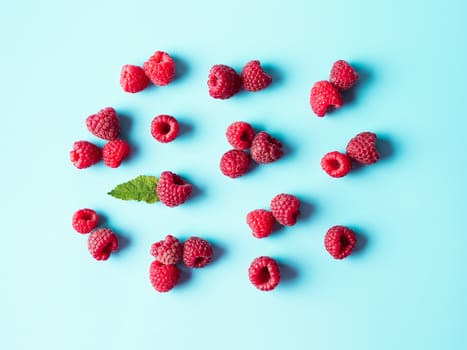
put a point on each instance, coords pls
(141, 188)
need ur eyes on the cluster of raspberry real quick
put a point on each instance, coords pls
(172, 190)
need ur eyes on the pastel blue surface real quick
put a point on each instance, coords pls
(404, 288)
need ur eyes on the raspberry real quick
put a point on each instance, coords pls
(84, 154)
(240, 135)
(164, 128)
(339, 241)
(234, 163)
(160, 68)
(223, 81)
(102, 242)
(114, 152)
(84, 220)
(168, 251)
(133, 79)
(261, 222)
(336, 164)
(264, 273)
(343, 75)
(172, 190)
(254, 78)
(265, 148)
(104, 124)
(163, 277)
(285, 208)
(324, 95)
(362, 148)
(197, 252)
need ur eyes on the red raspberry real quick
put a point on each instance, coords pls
(265, 148)
(102, 242)
(104, 124)
(160, 68)
(324, 95)
(254, 78)
(172, 190)
(336, 164)
(223, 81)
(114, 152)
(240, 135)
(164, 128)
(84, 220)
(285, 208)
(343, 75)
(339, 241)
(362, 148)
(261, 222)
(197, 252)
(163, 277)
(84, 154)
(264, 273)
(234, 163)
(168, 251)
(133, 79)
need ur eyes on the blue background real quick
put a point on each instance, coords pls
(405, 287)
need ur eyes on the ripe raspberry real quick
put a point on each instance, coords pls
(339, 241)
(336, 164)
(285, 208)
(160, 68)
(133, 79)
(223, 81)
(104, 124)
(84, 220)
(163, 277)
(168, 251)
(114, 152)
(324, 95)
(172, 190)
(264, 273)
(164, 128)
(102, 242)
(343, 75)
(261, 222)
(240, 135)
(362, 148)
(84, 154)
(265, 148)
(197, 252)
(254, 78)
(234, 163)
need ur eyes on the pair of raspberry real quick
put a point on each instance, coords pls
(361, 149)
(241, 136)
(327, 94)
(158, 69)
(285, 209)
(164, 274)
(224, 81)
(105, 124)
(101, 241)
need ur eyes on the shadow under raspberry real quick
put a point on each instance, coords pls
(362, 242)
(185, 275)
(288, 272)
(276, 74)
(123, 243)
(182, 68)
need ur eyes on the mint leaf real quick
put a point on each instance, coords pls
(141, 188)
